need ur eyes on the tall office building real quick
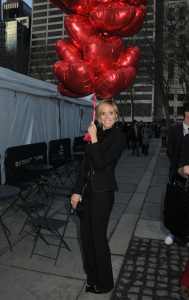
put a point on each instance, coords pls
(47, 29)
(15, 9)
(15, 36)
(163, 73)
(0, 10)
(176, 48)
(138, 100)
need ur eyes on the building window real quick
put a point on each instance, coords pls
(170, 97)
(182, 5)
(179, 111)
(171, 110)
(182, 97)
(171, 72)
(171, 12)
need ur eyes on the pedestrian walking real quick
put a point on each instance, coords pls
(163, 135)
(135, 137)
(146, 133)
(141, 125)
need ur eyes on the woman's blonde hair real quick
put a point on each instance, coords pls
(104, 103)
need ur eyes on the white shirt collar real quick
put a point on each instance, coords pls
(185, 129)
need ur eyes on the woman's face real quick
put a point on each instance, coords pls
(108, 117)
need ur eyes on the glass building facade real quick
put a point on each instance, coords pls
(15, 36)
(47, 29)
(0, 10)
(15, 9)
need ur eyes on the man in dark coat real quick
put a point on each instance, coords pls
(176, 135)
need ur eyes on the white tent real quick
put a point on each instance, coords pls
(33, 111)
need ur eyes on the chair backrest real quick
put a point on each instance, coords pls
(59, 152)
(18, 157)
(79, 144)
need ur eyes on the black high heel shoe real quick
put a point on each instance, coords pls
(91, 289)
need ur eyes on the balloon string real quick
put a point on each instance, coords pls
(87, 137)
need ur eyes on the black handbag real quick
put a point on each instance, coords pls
(79, 210)
(176, 210)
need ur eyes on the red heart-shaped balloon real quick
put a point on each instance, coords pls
(77, 76)
(111, 16)
(78, 30)
(137, 2)
(129, 58)
(136, 25)
(102, 53)
(82, 7)
(114, 81)
(67, 93)
(60, 5)
(67, 51)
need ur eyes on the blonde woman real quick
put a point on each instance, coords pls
(102, 155)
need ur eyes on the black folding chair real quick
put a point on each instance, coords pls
(60, 157)
(79, 148)
(49, 228)
(16, 158)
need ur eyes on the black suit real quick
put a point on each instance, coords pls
(98, 200)
(174, 142)
(104, 156)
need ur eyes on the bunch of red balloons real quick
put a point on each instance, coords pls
(94, 60)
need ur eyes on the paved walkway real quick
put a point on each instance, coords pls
(144, 267)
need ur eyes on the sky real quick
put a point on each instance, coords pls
(29, 2)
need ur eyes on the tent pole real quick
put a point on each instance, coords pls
(59, 118)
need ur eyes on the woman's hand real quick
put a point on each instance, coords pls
(75, 199)
(184, 171)
(92, 130)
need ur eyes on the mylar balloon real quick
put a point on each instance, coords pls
(67, 51)
(78, 30)
(111, 16)
(75, 76)
(129, 58)
(82, 7)
(95, 60)
(137, 2)
(67, 93)
(136, 25)
(103, 1)
(102, 53)
(114, 81)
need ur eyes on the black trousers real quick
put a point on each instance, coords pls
(93, 226)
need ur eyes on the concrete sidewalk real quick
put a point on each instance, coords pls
(141, 261)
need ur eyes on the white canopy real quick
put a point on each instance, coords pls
(33, 111)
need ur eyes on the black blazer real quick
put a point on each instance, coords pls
(173, 147)
(104, 157)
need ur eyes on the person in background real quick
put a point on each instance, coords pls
(163, 135)
(125, 130)
(141, 124)
(178, 170)
(146, 133)
(134, 136)
(157, 131)
(97, 176)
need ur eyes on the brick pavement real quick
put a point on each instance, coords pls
(151, 271)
